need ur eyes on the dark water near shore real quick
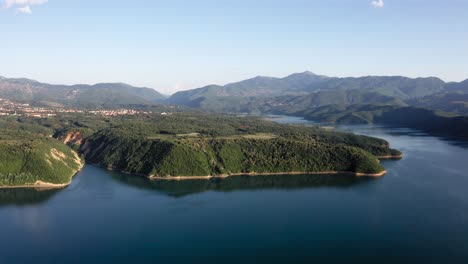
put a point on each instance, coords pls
(417, 213)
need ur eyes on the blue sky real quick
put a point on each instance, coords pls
(175, 45)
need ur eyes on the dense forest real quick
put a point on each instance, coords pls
(434, 122)
(219, 156)
(180, 144)
(27, 158)
(427, 104)
(203, 144)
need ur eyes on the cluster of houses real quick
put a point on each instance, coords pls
(117, 112)
(8, 107)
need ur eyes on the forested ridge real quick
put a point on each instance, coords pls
(181, 144)
(199, 145)
(26, 158)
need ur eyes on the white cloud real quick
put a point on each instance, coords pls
(10, 3)
(378, 3)
(22, 6)
(25, 10)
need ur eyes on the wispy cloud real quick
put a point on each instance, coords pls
(22, 6)
(25, 10)
(378, 3)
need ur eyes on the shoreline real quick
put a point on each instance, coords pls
(251, 174)
(40, 185)
(254, 174)
(390, 157)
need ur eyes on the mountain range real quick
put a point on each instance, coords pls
(102, 94)
(294, 93)
(301, 91)
(306, 83)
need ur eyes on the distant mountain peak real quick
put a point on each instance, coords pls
(308, 73)
(112, 84)
(259, 77)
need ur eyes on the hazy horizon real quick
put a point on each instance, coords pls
(174, 46)
(221, 84)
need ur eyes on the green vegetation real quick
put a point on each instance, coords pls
(214, 156)
(182, 144)
(201, 145)
(196, 143)
(454, 102)
(26, 158)
(417, 118)
(97, 96)
(268, 94)
(391, 100)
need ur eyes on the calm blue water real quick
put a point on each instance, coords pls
(417, 213)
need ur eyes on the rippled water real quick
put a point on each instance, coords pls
(417, 213)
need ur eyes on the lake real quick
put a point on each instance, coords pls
(417, 213)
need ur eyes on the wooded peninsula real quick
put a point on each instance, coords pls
(181, 145)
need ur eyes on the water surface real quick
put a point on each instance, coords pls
(417, 213)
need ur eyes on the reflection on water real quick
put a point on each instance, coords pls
(237, 183)
(23, 197)
(383, 131)
(370, 129)
(417, 213)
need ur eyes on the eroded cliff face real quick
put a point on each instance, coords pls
(79, 143)
(72, 138)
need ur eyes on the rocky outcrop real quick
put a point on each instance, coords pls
(72, 138)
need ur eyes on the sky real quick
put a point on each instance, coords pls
(178, 45)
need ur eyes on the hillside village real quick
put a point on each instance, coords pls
(11, 108)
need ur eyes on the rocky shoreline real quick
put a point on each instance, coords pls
(222, 176)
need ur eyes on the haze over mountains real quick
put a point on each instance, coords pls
(305, 90)
(389, 100)
(111, 94)
(307, 82)
(293, 93)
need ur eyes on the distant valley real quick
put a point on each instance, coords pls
(427, 104)
(294, 93)
(196, 133)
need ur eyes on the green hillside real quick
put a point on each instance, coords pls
(216, 156)
(454, 102)
(200, 145)
(457, 87)
(308, 88)
(181, 144)
(26, 158)
(98, 95)
(418, 118)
